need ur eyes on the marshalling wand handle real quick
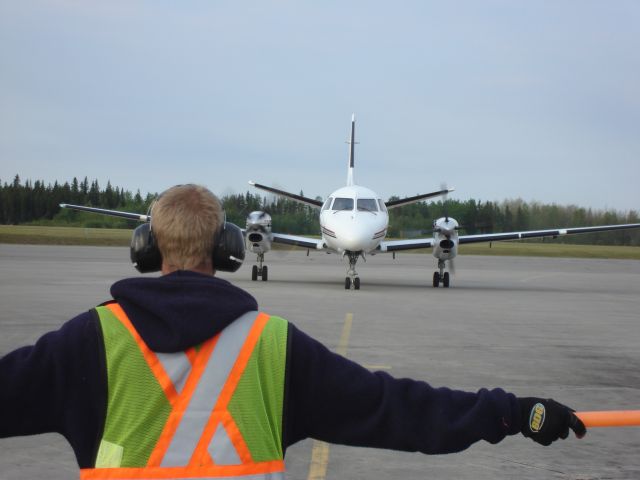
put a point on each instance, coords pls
(610, 418)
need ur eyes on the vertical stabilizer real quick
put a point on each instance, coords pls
(351, 143)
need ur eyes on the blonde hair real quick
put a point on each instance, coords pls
(184, 221)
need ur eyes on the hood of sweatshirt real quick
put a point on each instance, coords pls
(182, 309)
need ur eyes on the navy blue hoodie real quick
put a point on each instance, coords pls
(59, 384)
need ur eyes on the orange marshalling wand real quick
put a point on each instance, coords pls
(611, 418)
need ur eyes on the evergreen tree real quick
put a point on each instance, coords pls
(75, 192)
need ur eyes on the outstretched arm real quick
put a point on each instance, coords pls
(333, 399)
(56, 385)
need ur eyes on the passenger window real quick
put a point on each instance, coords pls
(367, 205)
(343, 204)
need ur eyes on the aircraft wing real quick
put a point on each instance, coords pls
(298, 198)
(417, 198)
(411, 244)
(113, 213)
(298, 241)
(557, 232)
(397, 245)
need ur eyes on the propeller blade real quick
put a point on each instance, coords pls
(443, 186)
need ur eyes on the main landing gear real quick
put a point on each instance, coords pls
(352, 277)
(260, 270)
(441, 276)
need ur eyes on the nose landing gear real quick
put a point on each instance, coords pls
(441, 276)
(260, 270)
(352, 277)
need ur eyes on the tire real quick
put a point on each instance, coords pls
(436, 279)
(347, 283)
(265, 274)
(254, 273)
(356, 283)
(445, 280)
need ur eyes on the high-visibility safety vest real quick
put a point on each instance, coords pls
(211, 412)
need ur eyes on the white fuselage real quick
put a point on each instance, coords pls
(353, 219)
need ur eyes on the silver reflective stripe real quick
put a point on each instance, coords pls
(221, 448)
(177, 366)
(260, 476)
(206, 394)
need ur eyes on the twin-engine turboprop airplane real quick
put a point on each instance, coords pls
(354, 222)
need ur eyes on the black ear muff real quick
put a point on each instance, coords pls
(228, 252)
(145, 254)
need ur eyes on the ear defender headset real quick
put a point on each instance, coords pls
(227, 254)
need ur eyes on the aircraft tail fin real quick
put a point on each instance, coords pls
(351, 143)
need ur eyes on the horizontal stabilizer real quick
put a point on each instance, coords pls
(417, 198)
(298, 198)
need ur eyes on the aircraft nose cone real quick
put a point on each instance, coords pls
(353, 241)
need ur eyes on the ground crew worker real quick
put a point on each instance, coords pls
(180, 376)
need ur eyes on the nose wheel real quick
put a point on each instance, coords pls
(348, 282)
(352, 277)
(441, 276)
(260, 270)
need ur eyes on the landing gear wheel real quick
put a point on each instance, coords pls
(347, 283)
(436, 279)
(445, 280)
(254, 273)
(265, 273)
(356, 283)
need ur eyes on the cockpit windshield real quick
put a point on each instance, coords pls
(342, 204)
(367, 205)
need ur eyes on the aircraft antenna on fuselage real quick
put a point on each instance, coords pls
(351, 143)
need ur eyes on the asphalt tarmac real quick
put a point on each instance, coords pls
(562, 328)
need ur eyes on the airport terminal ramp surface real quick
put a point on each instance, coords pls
(562, 328)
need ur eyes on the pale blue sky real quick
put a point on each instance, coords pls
(500, 99)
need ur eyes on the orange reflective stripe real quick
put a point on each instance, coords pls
(181, 404)
(243, 359)
(191, 354)
(206, 461)
(220, 412)
(152, 360)
(236, 438)
(183, 472)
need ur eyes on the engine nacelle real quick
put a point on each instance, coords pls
(445, 234)
(258, 236)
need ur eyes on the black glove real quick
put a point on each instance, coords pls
(545, 421)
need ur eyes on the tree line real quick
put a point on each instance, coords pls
(38, 204)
